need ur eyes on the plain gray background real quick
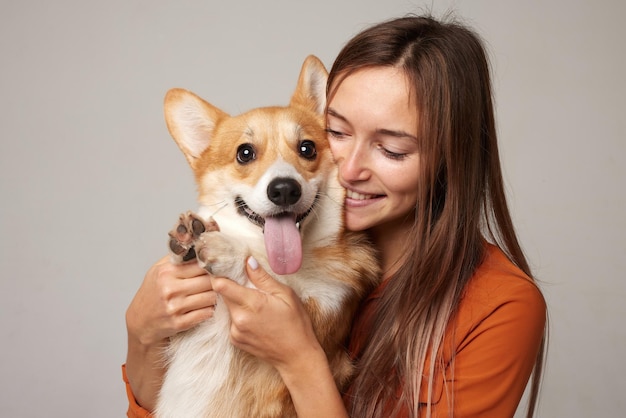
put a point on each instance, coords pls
(91, 181)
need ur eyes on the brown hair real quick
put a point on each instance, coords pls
(461, 202)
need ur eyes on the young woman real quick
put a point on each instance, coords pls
(457, 326)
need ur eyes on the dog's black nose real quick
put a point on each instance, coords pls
(284, 191)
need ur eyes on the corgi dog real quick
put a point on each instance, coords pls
(268, 188)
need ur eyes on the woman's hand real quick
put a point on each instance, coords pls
(171, 299)
(271, 323)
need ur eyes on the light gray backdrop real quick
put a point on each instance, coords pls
(91, 181)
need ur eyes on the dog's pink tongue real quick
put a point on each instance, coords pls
(283, 244)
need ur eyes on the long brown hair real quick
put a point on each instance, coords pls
(461, 202)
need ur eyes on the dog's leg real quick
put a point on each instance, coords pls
(185, 233)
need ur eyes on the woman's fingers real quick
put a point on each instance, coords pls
(261, 278)
(268, 321)
(189, 301)
(200, 300)
(251, 299)
(171, 299)
(194, 317)
(190, 269)
(197, 284)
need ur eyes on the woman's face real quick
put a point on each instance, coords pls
(372, 124)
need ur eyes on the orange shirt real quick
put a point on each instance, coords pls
(496, 337)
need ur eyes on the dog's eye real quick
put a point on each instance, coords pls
(307, 149)
(245, 153)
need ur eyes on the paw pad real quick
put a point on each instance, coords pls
(186, 231)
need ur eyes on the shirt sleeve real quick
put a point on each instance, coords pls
(495, 356)
(134, 409)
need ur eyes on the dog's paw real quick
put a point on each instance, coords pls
(186, 232)
(221, 255)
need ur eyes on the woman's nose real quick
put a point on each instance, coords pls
(353, 163)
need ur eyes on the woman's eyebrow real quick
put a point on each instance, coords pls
(396, 134)
(332, 112)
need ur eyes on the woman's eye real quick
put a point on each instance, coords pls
(391, 154)
(307, 149)
(335, 134)
(245, 153)
(395, 155)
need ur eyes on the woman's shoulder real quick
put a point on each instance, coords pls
(498, 280)
(500, 288)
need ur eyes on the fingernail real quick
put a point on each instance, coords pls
(253, 263)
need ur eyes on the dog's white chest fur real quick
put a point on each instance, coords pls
(199, 363)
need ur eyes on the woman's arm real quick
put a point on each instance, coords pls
(273, 309)
(171, 299)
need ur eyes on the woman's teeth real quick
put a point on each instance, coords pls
(358, 196)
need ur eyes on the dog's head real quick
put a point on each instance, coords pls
(269, 165)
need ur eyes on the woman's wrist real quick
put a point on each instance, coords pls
(145, 370)
(312, 386)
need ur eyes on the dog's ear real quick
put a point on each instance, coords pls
(191, 122)
(311, 89)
